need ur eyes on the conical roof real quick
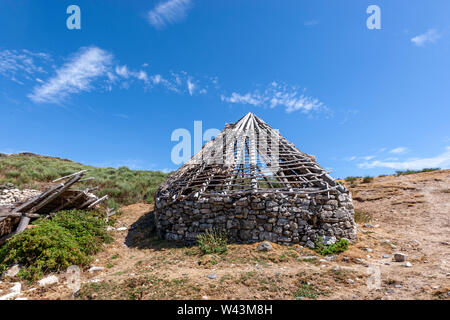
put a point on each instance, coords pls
(248, 156)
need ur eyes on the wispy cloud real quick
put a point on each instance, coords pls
(124, 72)
(92, 69)
(168, 12)
(311, 23)
(432, 35)
(74, 76)
(291, 98)
(22, 64)
(399, 150)
(191, 86)
(121, 115)
(442, 161)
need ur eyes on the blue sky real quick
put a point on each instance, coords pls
(364, 102)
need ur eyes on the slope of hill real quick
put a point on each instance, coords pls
(122, 185)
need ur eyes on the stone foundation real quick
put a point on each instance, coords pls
(277, 217)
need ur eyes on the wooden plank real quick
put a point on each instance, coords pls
(65, 205)
(71, 175)
(97, 202)
(44, 194)
(56, 194)
(87, 203)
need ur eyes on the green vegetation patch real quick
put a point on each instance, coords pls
(308, 291)
(340, 246)
(213, 241)
(123, 185)
(367, 179)
(352, 179)
(55, 244)
(406, 172)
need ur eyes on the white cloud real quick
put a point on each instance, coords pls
(432, 35)
(399, 150)
(122, 71)
(168, 12)
(290, 97)
(74, 76)
(126, 73)
(191, 86)
(87, 70)
(142, 75)
(22, 64)
(249, 98)
(441, 161)
(156, 79)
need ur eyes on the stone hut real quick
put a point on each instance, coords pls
(256, 185)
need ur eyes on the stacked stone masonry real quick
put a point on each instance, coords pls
(277, 217)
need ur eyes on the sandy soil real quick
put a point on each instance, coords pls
(410, 214)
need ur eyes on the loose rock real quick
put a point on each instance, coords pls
(12, 271)
(265, 246)
(48, 281)
(95, 269)
(328, 240)
(399, 257)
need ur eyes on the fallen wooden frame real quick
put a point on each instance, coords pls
(48, 203)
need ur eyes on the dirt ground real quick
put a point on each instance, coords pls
(408, 214)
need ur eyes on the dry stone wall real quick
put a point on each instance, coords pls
(10, 195)
(277, 217)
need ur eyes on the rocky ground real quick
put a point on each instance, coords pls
(9, 194)
(407, 214)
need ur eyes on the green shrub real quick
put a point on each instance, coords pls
(89, 231)
(406, 172)
(53, 245)
(340, 246)
(352, 179)
(367, 179)
(213, 241)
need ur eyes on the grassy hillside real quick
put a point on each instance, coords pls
(122, 185)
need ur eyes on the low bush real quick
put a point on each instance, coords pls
(352, 179)
(367, 179)
(213, 241)
(340, 246)
(55, 244)
(406, 172)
